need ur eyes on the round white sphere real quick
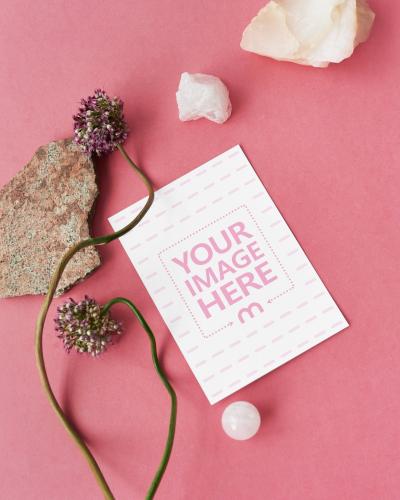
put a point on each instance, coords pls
(241, 420)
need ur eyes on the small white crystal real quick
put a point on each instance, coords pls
(203, 96)
(310, 32)
(241, 420)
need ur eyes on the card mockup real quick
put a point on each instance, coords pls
(230, 280)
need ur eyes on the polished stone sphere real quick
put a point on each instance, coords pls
(241, 420)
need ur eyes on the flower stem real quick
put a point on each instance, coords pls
(172, 419)
(101, 240)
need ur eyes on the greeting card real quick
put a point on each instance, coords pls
(226, 273)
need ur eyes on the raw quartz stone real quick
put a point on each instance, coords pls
(44, 210)
(203, 96)
(309, 32)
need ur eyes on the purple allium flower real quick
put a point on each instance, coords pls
(81, 326)
(100, 124)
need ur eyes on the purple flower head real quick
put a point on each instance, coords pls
(83, 327)
(100, 124)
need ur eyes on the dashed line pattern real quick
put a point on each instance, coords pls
(238, 342)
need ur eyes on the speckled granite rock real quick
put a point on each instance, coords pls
(44, 210)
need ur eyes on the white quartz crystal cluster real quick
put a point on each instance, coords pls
(310, 32)
(203, 96)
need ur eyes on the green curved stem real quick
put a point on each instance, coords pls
(172, 419)
(101, 240)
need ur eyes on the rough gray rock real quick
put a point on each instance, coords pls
(44, 210)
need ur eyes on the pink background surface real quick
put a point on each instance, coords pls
(324, 142)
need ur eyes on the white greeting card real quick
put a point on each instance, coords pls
(226, 273)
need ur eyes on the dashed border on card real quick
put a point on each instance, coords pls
(230, 323)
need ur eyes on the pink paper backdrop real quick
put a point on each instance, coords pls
(326, 145)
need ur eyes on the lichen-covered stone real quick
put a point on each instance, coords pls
(44, 210)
